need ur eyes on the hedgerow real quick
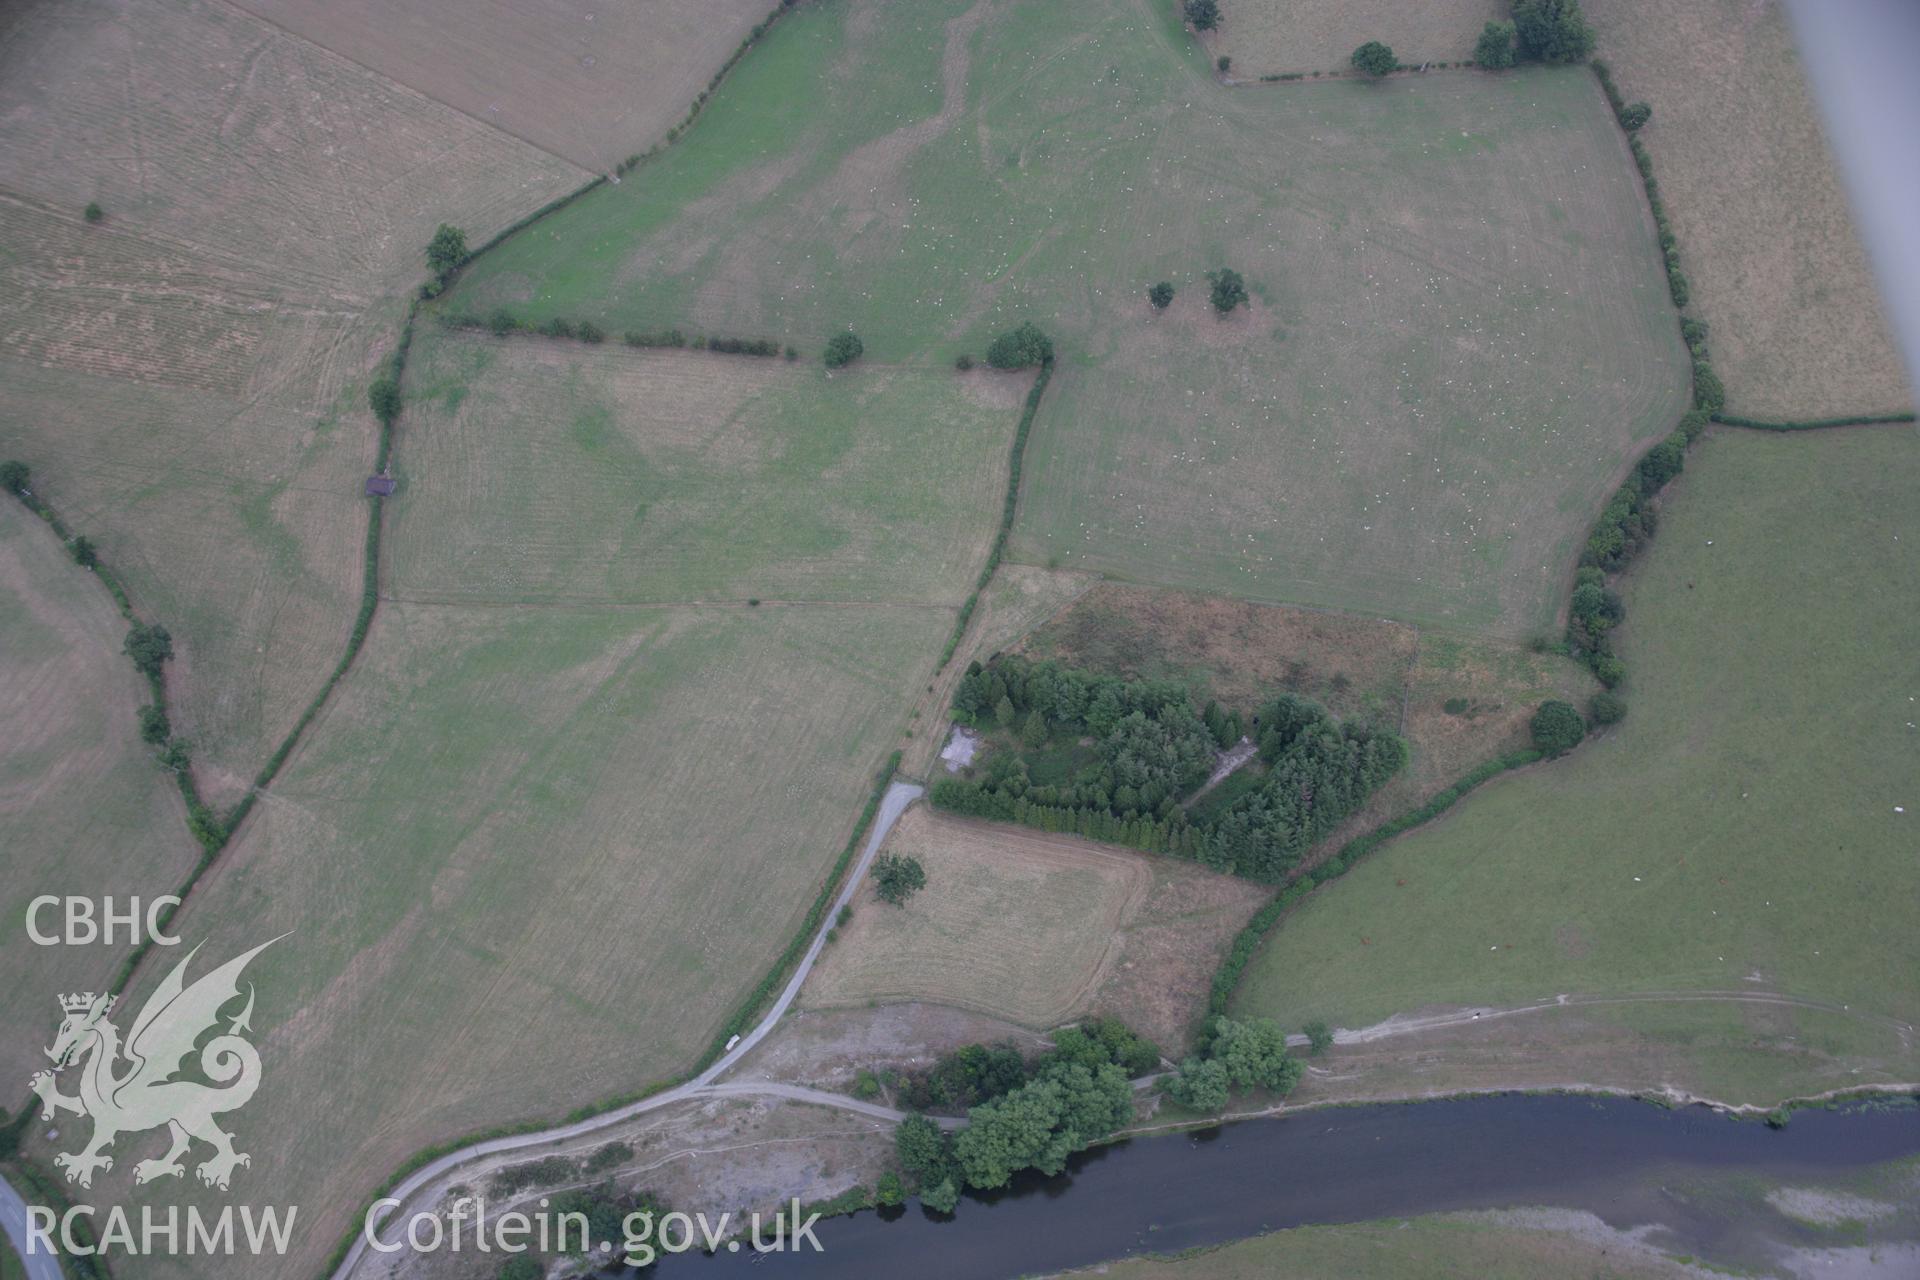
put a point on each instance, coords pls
(1247, 942)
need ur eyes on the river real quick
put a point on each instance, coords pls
(1170, 1192)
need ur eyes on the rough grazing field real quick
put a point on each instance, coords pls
(591, 82)
(533, 858)
(1770, 247)
(537, 470)
(188, 377)
(1364, 436)
(1739, 831)
(1038, 929)
(1266, 37)
(85, 808)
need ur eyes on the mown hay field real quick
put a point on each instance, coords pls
(537, 470)
(1038, 930)
(593, 83)
(1016, 924)
(1767, 238)
(1741, 831)
(531, 859)
(188, 377)
(1276, 37)
(1371, 433)
(86, 809)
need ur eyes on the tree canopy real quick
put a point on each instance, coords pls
(843, 349)
(1229, 290)
(1160, 295)
(1020, 348)
(1374, 59)
(1557, 727)
(897, 878)
(1494, 49)
(1203, 14)
(1552, 30)
(447, 249)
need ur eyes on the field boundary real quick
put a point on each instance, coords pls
(1639, 486)
(998, 551)
(1812, 424)
(741, 1019)
(1247, 942)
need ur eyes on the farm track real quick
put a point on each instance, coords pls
(432, 1177)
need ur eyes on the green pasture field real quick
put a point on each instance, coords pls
(537, 470)
(85, 808)
(1740, 832)
(1453, 1247)
(1371, 433)
(531, 859)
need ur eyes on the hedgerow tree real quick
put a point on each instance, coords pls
(1161, 296)
(843, 349)
(1020, 348)
(1229, 290)
(1240, 1055)
(1201, 1085)
(447, 250)
(383, 397)
(1635, 114)
(897, 878)
(149, 646)
(1203, 14)
(1319, 1036)
(1552, 30)
(1557, 727)
(502, 322)
(1374, 59)
(1494, 50)
(85, 554)
(154, 728)
(14, 476)
(923, 1150)
(1607, 708)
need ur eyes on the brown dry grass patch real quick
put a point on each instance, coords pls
(1763, 224)
(1038, 929)
(1457, 699)
(1018, 924)
(187, 378)
(590, 81)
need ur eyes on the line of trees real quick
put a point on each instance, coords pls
(1239, 1055)
(1027, 1116)
(1153, 750)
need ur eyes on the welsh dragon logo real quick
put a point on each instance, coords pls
(130, 1088)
